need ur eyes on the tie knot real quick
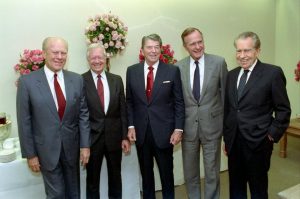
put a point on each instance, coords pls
(197, 63)
(150, 68)
(246, 71)
(99, 76)
(55, 75)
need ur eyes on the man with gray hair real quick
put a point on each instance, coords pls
(257, 113)
(106, 103)
(53, 122)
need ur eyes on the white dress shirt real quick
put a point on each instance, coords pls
(60, 78)
(248, 74)
(105, 88)
(146, 70)
(201, 71)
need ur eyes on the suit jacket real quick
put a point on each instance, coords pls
(165, 110)
(114, 123)
(263, 108)
(41, 132)
(209, 110)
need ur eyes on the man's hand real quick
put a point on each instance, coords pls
(176, 137)
(224, 149)
(34, 164)
(131, 135)
(126, 146)
(84, 156)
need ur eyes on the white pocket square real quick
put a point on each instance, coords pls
(165, 82)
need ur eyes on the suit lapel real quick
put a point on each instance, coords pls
(159, 77)
(208, 72)
(186, 78)
(90, 84)
(44, 89)
(254, 77)
(112, 90)
(234, 84)
(69, 89)
(140, 81)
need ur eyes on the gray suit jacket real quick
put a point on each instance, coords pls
(209, 110)
(41, 132)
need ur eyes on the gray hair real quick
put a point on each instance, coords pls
(249, 34)
(93, 46)
(48, 39)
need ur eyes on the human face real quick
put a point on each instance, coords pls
(194, 44)
(97, 60)
(246, 54)
(151, 51)
(56, 54)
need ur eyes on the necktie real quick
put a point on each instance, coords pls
(242, 83)
(149, 82)
(100, 91)
(61, 101)
(196, 83)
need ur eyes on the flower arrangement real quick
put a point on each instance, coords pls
(31, 60)
(297, 72)
(166, 56)
(108, 30)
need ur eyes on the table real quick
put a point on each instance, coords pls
(293, 130)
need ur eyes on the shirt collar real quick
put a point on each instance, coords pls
(95, 75)
(251, 67)
(155, 66)
(201, 60)
(50, 74)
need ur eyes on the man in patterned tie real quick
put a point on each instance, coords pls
(155, 110)
(106, 103)
(256, 115)
(53, 122)
(203, 79)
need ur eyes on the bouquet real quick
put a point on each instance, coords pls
(108, 30)
(166, 56)
(297, 72)
(31, 60)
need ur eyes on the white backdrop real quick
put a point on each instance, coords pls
(24, 24)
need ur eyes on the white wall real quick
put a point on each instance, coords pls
(24, 24)
(287, 53)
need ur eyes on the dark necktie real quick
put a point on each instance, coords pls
(149, 83)
(242, 83)
(196, 83)
(100, 91)
(61, 101)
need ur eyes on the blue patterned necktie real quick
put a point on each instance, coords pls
(242, 83)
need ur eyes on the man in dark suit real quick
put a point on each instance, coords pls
(106, 104)
(155, 110)
(204, 114)
(257, 113)
(53, 122)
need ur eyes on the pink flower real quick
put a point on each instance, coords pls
(35, 67)
(30, 60)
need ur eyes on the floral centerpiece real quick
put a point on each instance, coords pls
(108, 30)
(166, 56)
(30, 60)
(297, 72)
